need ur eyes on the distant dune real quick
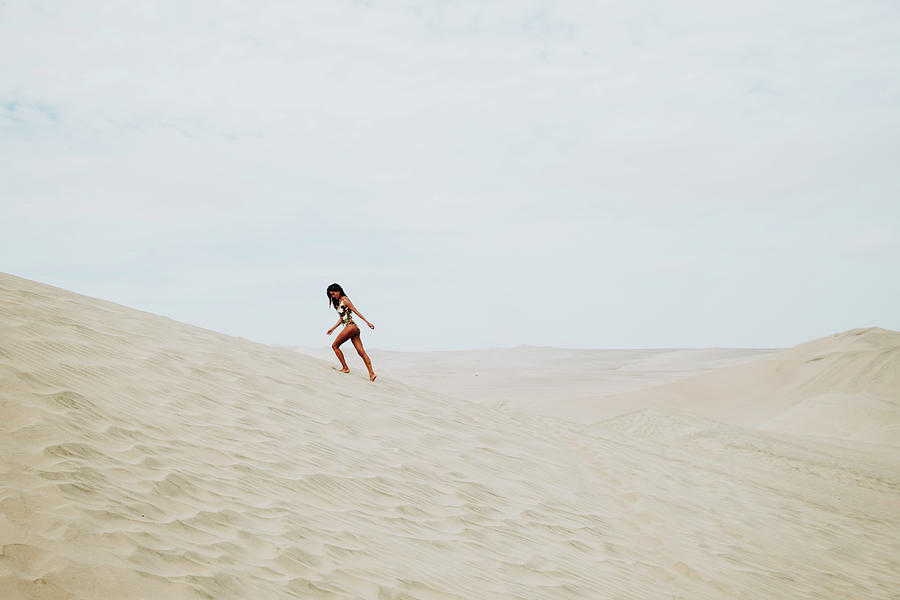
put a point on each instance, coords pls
(145, 458)
(546, 380)
(845, 386)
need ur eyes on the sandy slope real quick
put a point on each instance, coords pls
(143, 458)
(845, 386)
(544, 380)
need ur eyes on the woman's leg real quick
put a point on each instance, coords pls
(357, 343)
(342, 337)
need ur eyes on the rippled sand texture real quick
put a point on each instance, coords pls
(144, 458)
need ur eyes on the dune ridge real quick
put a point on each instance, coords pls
(545, 380)
(844, 387)
(145, 458)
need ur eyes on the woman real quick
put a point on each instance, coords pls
(345, 308)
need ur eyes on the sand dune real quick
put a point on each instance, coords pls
(546, 380)
(845, 386)
(145, 458)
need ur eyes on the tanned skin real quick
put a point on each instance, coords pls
(350, 332)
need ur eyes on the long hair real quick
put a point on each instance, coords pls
(334, 287)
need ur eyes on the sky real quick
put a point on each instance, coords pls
(474, 173)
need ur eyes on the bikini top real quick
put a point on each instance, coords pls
(345, 313)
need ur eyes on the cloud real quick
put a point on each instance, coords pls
(655, 154)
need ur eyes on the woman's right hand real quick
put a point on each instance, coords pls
(330, 330)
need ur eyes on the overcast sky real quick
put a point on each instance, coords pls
(600, 174)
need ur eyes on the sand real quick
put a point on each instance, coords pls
(556, 382)
(145, 458)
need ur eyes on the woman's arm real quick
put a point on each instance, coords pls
(336, 325)
(353, 308)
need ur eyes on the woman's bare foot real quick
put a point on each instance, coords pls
(341, 370)
(372, 377)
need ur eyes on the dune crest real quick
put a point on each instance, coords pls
(145, 458)
(845, 386)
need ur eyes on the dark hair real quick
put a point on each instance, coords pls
(334, 287)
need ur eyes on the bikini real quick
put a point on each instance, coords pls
(345, 313)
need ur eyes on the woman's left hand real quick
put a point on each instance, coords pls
(371, 326)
